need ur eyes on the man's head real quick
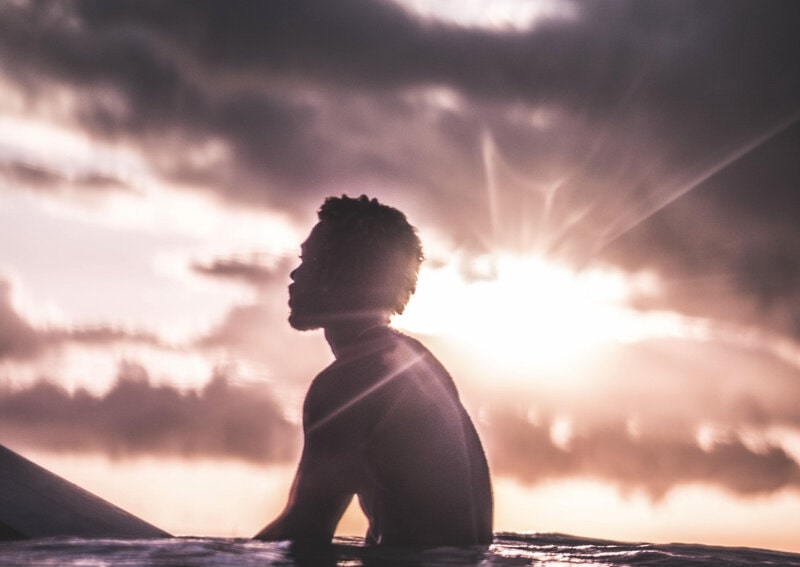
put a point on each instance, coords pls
(360, 260)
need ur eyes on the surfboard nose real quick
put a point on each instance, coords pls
(35, 502)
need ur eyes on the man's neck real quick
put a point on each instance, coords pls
(344, 334)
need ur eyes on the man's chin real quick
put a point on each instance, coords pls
(301, 323)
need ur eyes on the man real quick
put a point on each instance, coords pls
(384, 421)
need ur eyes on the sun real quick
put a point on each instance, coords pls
(528, 312)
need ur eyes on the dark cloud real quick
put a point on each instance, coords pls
(731, 249)
(21, 340)
(253, 270)
(670, 73)
(653, 465)
(28, 174)
(376, 46)
(137, 418)
(42, 178)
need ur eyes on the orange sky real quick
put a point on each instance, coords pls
(606, 194)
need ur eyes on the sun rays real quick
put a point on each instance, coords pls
(525, 305)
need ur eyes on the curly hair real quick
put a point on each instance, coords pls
(372, 250)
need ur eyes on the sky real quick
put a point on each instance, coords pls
(607, 193)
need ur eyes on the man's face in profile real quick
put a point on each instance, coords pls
(311, 300)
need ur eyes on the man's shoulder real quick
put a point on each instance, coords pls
(379, 358)
(352, 384)
(384, 360)
(354, 370)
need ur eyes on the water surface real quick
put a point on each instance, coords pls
(507, 550)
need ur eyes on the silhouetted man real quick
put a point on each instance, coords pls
(383, 421)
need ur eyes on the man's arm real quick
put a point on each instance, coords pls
(326, 477)
(321, 492)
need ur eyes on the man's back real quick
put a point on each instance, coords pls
(403, 443)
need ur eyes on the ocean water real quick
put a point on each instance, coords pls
(507, 550)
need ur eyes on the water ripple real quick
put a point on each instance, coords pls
(508, 550)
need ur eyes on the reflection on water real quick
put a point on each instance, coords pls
(507, 550)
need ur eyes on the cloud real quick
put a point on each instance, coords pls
(137, 418)
(253, 270)
(729, 250)
(651, 464)
(20, 340)
(42, 178)
(599, 120)
(643, 435)
(650, 417)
